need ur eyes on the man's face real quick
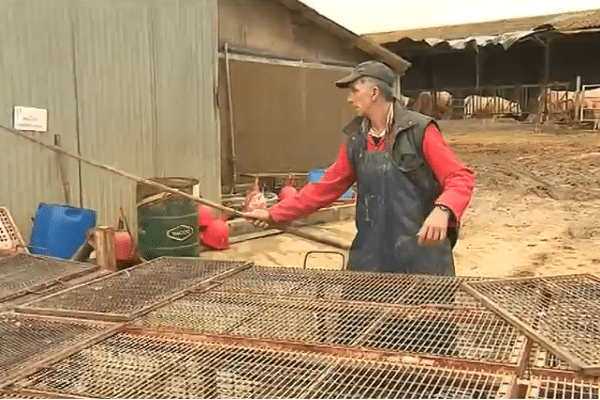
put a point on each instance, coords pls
(362, 95)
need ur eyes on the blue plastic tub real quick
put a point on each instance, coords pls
(59, 230)
(317, 174)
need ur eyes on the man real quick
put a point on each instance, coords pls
(412, 190)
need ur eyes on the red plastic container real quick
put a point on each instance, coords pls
(124, 246)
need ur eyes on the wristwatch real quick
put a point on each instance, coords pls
(444, 209)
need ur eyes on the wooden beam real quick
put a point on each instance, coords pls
(547, 61)
(105, 248)
(282, 61)
(396, 62)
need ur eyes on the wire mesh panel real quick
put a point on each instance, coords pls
(124, 295)
(49, 288)
(22, 273)
(546, 387)
(563, 312)
(263, 317)
(31, 394)
(6, 394)
(131, 366)
(474, 335)
(359, 380)
(467, 334)
(25, 340)
(350, 285)
(540, 358)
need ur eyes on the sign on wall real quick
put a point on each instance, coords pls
(30, 119)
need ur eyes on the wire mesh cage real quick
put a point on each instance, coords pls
(562, 311)
(352, 286)
(542, 359)
(21, 274)
(29, 295)
(128, 293)
(132, 366)
(476, 335)
(26, 340)
(11, 240)
(12, 394)
(552, 387)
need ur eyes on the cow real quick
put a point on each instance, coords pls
(438, 107)
(490, 106)
(588, 101)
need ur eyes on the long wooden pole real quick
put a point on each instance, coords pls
(328, 240)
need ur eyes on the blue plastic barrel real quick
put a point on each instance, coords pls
(317, 174)
(59, 230)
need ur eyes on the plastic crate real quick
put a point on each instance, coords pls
(11, 240)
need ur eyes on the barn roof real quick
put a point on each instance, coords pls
(378, 52)
(505, 32)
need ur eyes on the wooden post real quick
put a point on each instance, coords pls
(478, 67)
(105, 248)
(547, 61)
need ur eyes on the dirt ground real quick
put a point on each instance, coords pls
(535, 210)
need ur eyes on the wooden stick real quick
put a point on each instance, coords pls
(331, 241)
(105, 248)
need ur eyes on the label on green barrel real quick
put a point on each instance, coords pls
(180, 233)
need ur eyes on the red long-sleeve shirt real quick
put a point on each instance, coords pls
(456, 181)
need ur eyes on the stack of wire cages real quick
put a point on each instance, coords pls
(190, 328)
(132, 292)
(25, 277)
(560, 314)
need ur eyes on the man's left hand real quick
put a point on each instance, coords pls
(434, 228)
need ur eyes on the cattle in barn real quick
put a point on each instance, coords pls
(589, 102)
(490, 106)
(438, 107)
(405, 101)
(558, 105)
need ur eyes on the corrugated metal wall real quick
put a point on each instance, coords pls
(286, 118)
(129, 83)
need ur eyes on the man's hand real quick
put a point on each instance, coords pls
(259, 218)
(434, 228)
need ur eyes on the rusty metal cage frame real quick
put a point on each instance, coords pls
(373, 287)
(35, 294)
(35, 341)
(340, 327)
(560, 387)
(247, 370)
(196, 282)
(500, 296)
(331, 296)
(24, 281)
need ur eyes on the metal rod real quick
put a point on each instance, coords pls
(231, 121)
(331, 241)
(251, 55)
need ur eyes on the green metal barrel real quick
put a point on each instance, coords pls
(167, 223)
